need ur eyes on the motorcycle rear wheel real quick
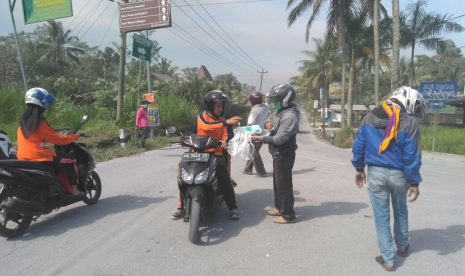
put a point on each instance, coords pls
(13, 225)
(194, 221)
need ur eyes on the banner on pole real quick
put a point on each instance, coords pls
(42, 10)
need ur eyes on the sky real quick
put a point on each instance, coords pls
(259, 28)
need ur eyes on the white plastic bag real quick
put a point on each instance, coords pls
(241, 144)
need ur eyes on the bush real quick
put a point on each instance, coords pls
(11, 105)
(177, 112)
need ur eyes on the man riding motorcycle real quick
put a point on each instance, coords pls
(34, 131)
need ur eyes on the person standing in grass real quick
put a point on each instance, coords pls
(142, 122)
(388, 142)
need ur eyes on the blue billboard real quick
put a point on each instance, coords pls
(438, 90)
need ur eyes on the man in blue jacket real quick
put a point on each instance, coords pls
(388, 142)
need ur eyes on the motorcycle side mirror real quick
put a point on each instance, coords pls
(85, 119)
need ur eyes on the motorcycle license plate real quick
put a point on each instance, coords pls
(195, 157)
(1, 187)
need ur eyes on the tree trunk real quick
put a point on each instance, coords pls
(376, 36)
(343, 60)
(323, 111)
(411, 77)
(351, 89)
(395, 45)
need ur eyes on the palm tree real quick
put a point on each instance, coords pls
(360, 38)
(59, 45)
(403, 71)
(321, 69)
(164, 67)
(422, 28)
(395, 44)
(335, 26)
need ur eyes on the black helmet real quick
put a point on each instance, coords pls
(282, 92)
(214, 97)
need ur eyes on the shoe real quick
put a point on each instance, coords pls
(380, 260)
(179, 214)
(262, 174)
(274, 213)
(246, 172)
(403, 253)
(234, 183)
(234, 214)
(281, 220)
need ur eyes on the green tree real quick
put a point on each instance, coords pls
(335, 26)
(60, 45)
(422, 28)
(322, 68)
(164, 67)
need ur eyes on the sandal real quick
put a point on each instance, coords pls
(404, 253)
(380, 260)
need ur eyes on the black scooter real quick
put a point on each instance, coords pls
(200, 192)
(30, 189)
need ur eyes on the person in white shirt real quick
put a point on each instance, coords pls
(257, 116)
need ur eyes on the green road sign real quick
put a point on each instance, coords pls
(141, 47)
(42, 10)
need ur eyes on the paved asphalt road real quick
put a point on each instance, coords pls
(130, 232)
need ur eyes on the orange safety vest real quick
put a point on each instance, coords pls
(216, 129)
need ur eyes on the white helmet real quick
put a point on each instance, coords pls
(39, 96)
(410, 99)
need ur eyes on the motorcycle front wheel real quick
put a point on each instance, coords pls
(194, 221)
(13, 225)
(93, 188)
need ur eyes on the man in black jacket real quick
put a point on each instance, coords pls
(282, 144)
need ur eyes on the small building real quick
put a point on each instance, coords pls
(459, 101)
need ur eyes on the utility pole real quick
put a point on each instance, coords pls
(122, 66)
(149, 77)
(12, 7)
(261, 80)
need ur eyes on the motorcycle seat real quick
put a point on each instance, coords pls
(23, 164)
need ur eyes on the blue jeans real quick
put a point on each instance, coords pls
(384, 183)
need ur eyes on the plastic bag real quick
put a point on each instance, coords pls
(242, 144)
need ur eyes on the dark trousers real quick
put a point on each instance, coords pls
(282, 185)
(257, 159)
(224, 181)
(66, 161)
(144, 134)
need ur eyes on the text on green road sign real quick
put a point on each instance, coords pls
(141, 47)
(42, 10)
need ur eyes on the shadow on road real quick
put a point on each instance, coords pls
(328, 209)
(53, 225)
(253, 206)
(444, 241)
(303, 171)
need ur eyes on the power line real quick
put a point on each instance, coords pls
(228, 3)
(108, 28)
(246, 61)
(202, 49)
(98, 17)
(253, 61)
(91, 13)
(75, 17)
(208, 34)
(211, 50)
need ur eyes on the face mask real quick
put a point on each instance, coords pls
(145, 106)
(277, 106)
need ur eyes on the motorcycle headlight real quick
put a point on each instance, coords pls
(186, 177)
(201, 177)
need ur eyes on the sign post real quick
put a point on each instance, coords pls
(141, 47)
(20, 56)
(144, 15)
(435, 125)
